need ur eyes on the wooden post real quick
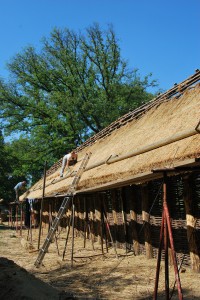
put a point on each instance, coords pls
(85, 222)
(16, 217)
(41, 208)
(123, 218)
(21, 219)
(109, 232)
(92, 222)
(114, 213)
(108, 228)
(101, 222)
(103, 225)
(133, 214)
(146, 218)
(30, 223)
(10, 217)
(101, 233)
(68, 230)
(98, 216)
(72, 254)
(50, 216)
(191, 222)
(76, 217)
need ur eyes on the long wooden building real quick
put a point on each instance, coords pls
(124, 176)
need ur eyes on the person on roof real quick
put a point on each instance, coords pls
(19, 187)
(68, 160)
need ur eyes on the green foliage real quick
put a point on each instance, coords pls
(77, 85)
(8, 178)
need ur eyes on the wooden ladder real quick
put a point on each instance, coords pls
(62, 209)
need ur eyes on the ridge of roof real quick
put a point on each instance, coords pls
(176, 91)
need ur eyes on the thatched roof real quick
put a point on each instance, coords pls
(161, 134)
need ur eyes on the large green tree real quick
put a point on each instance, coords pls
(10, 170)
(72, 88)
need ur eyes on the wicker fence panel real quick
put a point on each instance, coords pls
(123, 210)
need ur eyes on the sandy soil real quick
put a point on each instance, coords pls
(90, 275)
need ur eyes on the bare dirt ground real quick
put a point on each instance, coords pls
(90, 276)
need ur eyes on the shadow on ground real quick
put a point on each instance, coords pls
(16, 283)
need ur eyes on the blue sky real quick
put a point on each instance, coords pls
(156, 36)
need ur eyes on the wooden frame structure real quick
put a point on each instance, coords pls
(135, 210)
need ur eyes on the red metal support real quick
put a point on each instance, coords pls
(166, 237)
(166, 241)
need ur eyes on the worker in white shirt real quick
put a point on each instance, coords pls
(68, 160)
(19, 187)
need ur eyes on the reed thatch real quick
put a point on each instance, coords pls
(169, 124)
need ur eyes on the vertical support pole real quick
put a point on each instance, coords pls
(159, 258)
(133, 213)
(91, 228)
(30, 223)
(85, 222)
(101, 233)
(16, 217)
(68, 230)
(180, 295)
(9, 217)
(56, 241)
(191, 223)
(103, 227)
(98, 217)
(114, 213)
(124, 219)
(21, 218)
(101, 222)
(72, 254)
(108, 228)
(41, 208)
(90, 235)
(166, 238)
(33, 219)
(146, 220)
(166, 231)
(50, 217)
